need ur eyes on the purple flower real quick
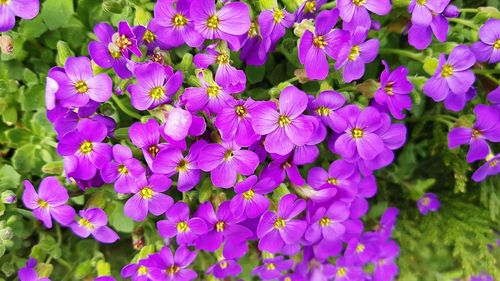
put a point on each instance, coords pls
(94, 222)
(171, 161)
(341, 177)
(277, 229)
(148, 197)
(362, 249)
(486, 128)
(137, 271)
(25, 9)
(490, 168)
(286, 128)
(273, 24)
(355, 12)
(225, 161)
(77, 84)
(428, 203)
(226, 73)
(224, 268)
(314, 47)
(272, 268)
(179, 224)
(453, 76)
(147, 137)
(156, 84)
(84, 150)
(482, 277)
(325, 106)
(308, 9)
(231, 20)
(394, 91)
(386, 267)
(494, 96)
(255, 46)
(355, 53)
(282, 166)
(360, 137)
(123, 171)
(148, 36)
(177, 26)
(347, 271)
(387, 222)
(422, 11)
(28, 272)
(420, 36)
(106, 53)
(327, 223)
(168, 266)
(49, 202)
(488, 48)
(249, 200)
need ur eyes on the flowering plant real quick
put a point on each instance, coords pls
(272, 140)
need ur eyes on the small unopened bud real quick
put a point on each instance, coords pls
(6, 44)
(6, 234)
(301, 27)
(302, 75)
(375, 25)
(8, 197)
(451, 11)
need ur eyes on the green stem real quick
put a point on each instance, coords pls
(411, 55)
(124, 108)
(469, 10)
(291, 80)
(464, 23)
(329, 5)
(488, 74)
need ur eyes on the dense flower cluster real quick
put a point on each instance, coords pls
(205, 128)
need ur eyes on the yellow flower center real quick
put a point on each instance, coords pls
(278, 15)
(81, 87)
(493, 163)
(223, 265)
(3, 2)
(270, 266)
(182, 227)
(279, 223)
(357, 133)
(213, 91)
(241, 111)
(146, 193)
(323, 111)
(228, 155)
(497, 44)
(388, 88)
(426, 201)
(319, 41)
(182, 166)
(86, 147)
(476, 133)
(179, 20)
(354, 54)
(325, 221)
(123, 42)
(213, 22)
(219, 226)
(149, 36)
(254, 30)
(333, 181)
(42, 203)
(286, 165)
(284, 120)
(447, 71)
(360, 248)
(157, 93)
(122, 169)
(359, 3)
(173, 269)
(142, 270)
(421, 2)
(341, 272)
(153, 150)
(310, 7)
(85, 223)
(115, 55)
(222, 58)
(249, 194)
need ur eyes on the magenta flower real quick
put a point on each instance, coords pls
(148, 197)
(486, 128)
(177, 26)
(420, 36)
(452, 78)
(347, 270)
(156, 84)
(341, 178)
(386, 267)
(171, 161)
(168, 266)
(84, 150)
(225, 268)
(123, 171)
(49, 202)
(28, 272)
(360, 136)
(249, 200)
(137, 271)
(148, 36)
(282, 166)
(147, 137)
(494, 97)
(325, 107)
(272, 268)
(77, 85)
(428, 203)
(225, 161)
(490, 168)
(232, 20)
(273, 24)
(356, 53)
(25, 9)
(314, 48)
(179, 225)
(308, 9)
(422, 11)
(255, 47)
(277, 229)
(355, 12)
(394, 91)
(286, 128)
(488, 48)
(226, 74)
(94, 222)
(327, 223)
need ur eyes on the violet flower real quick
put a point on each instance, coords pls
(225, 161)
(347, 271)
(148, 36)
(273, 24)
(422, 11)
(123, 171)
(25, 9)
(146, 136)
(28, 272)
(308, 9)
(394, 91)
(272, 268)
(428, 203)
(355, 12)
(282, 166)
(49, 202)
(327, 223)
(168, 266)
(325, 41)
(341, 177)
(325, 107)
(277, 229)
(385, 266)
(420, 36)
(137, 271)
(255, 47)
(94, 222)
(490, 168)
(488, 48)
(249, 200)
(225, 268)
(227, 74)
(179, 225)
(148, 197)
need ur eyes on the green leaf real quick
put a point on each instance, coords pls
(119, 221)
(26, 159)
(255, 74)
(56, 13)
(9, 116)
(18, 137)
(142, 17)
(430, 65)
(33, 98)
(33, 28)
(63, 52)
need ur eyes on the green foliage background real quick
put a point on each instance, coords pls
(456, 242)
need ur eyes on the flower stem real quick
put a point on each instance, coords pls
(124, 108)
(329, 5)
(411, 55)
(469, 10)
(464, 23)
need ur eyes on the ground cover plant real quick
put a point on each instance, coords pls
(249, 140)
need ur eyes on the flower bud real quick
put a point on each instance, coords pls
(8, 197)
(63, 52)
(6, 44)
(451, 11)
(6, 234)
(113, 6)
(44, 269)
(268, 4)
(53, 168)
(304, 25)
